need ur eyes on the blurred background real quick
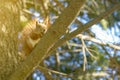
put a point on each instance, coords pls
(91, 55)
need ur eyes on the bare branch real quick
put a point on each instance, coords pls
(98, 41)
(52, 35)
(84, 54)
(84, 27)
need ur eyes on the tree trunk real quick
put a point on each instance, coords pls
(9, 28)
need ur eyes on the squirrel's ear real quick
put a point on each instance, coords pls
(47, 21)
(37, 24)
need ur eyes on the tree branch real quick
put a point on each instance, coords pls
(84, 27)
(52, 36)
(98, 41)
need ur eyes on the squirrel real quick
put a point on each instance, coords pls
(30, 35)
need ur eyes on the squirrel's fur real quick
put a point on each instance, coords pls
(30, 35)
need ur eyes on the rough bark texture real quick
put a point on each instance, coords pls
(9, 28)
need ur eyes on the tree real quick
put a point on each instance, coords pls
(75, 54)
(9, 28)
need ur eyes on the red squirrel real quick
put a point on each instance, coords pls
(30, 35)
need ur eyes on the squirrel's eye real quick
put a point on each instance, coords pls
(38, 22)
(44, 30)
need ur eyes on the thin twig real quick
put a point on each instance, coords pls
(84, 55)
(53, 71)
(27, 11)
(57, 60)
(98, 41)
(76, 50)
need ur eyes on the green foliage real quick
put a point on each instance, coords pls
(104, 23)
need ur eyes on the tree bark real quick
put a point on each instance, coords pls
(52, 35)
(9, 28)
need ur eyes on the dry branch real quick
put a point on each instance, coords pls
(84, 27)
(52, 35)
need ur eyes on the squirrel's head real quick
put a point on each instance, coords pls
(42, 27)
